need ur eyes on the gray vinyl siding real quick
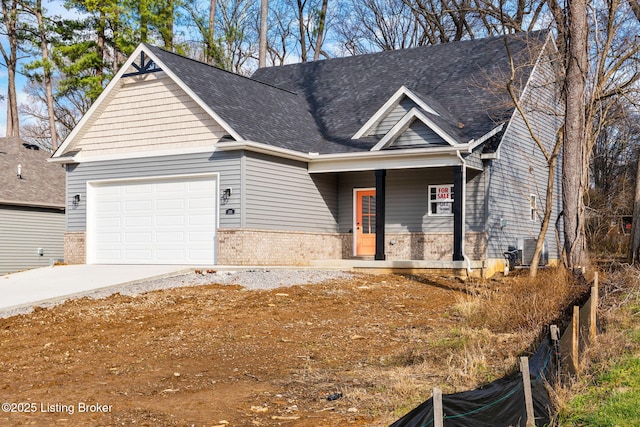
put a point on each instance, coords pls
(226, 164)
(387, 122)
(418, 134)
(23, 230)
(282, 195)
(473, 160)
(522, 170)
(407, 193)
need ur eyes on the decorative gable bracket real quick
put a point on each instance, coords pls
(146, 66)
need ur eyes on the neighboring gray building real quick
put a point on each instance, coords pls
(32, 219)
(413, 158)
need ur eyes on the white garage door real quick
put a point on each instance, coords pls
(162, 221)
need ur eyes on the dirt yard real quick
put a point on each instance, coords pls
(359, 352)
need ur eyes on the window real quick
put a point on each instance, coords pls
(533, 215)
(441, 199)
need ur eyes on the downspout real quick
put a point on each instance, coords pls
(464, 209)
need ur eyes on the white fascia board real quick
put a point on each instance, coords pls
(368, 163)
(115, 82)
(259, 147)
(405, 122)
(475, 142)
(80, 158)
(366, 160)
(388, 106)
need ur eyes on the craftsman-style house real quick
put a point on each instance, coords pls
(413, 158)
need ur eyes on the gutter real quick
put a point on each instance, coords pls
(464, 210)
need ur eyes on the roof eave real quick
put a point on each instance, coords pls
(32, 204)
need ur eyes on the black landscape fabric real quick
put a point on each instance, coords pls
(499, 403)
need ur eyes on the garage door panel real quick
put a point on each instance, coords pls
(155, 221)
(138, 206)
(170, 204)
(201, 237)
(170, 221)
(138, 255)
(202, 203)
(170, 237)
(196, 220)
(139, 221)
(108, 237)
(138, 237)
(140, 188)
(108, 207)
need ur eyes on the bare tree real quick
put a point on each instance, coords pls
(371, 25)
(525, 109)
(322, 18)
(239, 38)
(634, 241)
(10, 19)
(46, 72)
(575, 154)
(264, 16)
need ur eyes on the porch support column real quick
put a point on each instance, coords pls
(380, 213)
(458, 194)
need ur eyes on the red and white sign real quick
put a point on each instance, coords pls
(443, 193)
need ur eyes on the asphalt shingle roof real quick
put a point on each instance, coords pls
(257, 111)
(467, 79)
(42, 183)
(318, 106)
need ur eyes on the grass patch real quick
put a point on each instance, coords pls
(608, 392)
(611, 401)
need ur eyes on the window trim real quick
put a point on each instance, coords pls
(431, 202)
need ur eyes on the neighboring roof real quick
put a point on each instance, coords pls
(42, 183)
(467, 79)
(257, 111)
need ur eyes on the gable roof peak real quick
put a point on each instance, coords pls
(154, 50)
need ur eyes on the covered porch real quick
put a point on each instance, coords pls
(420, 212)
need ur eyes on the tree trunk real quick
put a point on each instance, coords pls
(211, 33)
(302, 31)
(48, 84)
(264, 15)
(320, 37)
(10, 17)
(575, 144)
(634, 239)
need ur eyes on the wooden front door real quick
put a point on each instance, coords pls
(365, 217)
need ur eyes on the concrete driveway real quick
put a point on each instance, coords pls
(49, 285)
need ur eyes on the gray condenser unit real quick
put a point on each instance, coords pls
(526, 247)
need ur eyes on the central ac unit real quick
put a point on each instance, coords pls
(526, 247)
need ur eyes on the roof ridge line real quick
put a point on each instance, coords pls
(220, 69)
(392, 51)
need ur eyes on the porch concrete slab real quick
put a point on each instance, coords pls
(53, 284)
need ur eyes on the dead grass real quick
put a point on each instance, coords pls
(619, 334)
(519, 304)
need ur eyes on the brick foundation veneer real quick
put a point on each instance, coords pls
(431, 246)
(271, 247)
(75, 245)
